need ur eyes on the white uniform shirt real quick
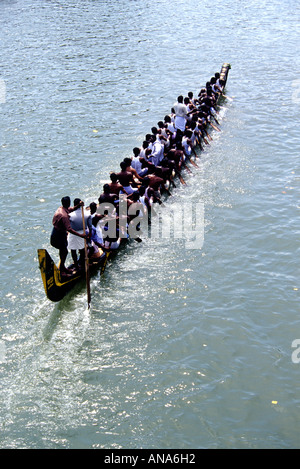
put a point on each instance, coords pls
(157, 152)
(181, 116)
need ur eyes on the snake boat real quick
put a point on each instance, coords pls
(57, 286)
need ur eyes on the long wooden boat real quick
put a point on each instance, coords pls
(57, 286)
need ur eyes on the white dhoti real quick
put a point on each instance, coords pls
(180, 123)
(75, 242)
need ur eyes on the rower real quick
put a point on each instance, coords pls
(150, 139)
(191, 98)
(158, 150)
(148, 194)
(190, 109)
(137, 178)
(215, 88)
(108, 203)
(176, 155)
(162, 129)
(170, 129)
(147, 202)
(96, 231)
(143, 149)
(76, 243)
(218, 81)
(196, 135)
(156, 183)
(125, 178)
(107, 197)
(187, 144)
(172, 115)
(164, 173)
(115, 187)
(135, 160)
(138, 211)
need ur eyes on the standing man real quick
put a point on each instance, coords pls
(180, 117)
(61, 227)
(76, 243)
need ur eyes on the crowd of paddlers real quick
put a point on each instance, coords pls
(140, 181)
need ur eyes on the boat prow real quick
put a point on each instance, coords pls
(57, 285)
(224, 72)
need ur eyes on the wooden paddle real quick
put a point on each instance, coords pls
(180, 177)
(186, 167)
(192, 161)
(87, 269)
(167, 191)
(227, 97)
(107, 255)
(214, 127)
(215, 119)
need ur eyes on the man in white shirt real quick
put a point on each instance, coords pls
(157, 152)
(76, 243)
(137, 164)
